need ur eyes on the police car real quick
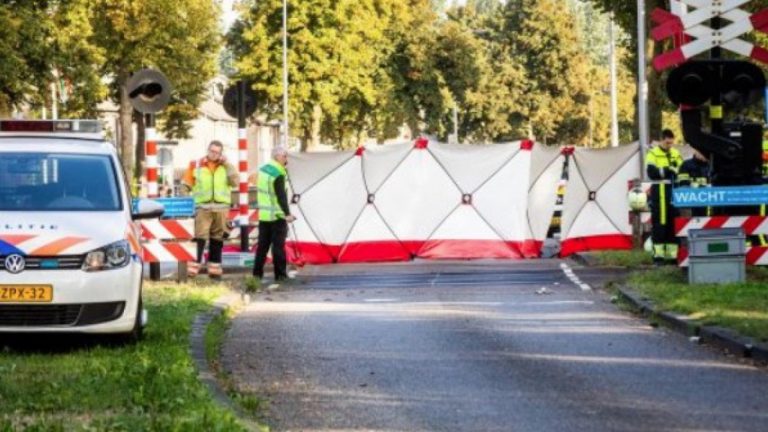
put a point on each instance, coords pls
(70, 258)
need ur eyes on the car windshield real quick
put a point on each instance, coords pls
(57, 182)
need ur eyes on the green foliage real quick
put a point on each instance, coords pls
(45, 43)
(178, 37)
(88, 49)
(365, 68)
(252, 284)
(151, 385)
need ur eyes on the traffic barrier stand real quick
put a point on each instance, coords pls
(751, 225)
(169, 240)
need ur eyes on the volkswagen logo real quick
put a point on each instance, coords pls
(15, 263)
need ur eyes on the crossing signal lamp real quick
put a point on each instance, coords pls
(734, 147)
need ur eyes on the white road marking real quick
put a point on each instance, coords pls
(573, 278)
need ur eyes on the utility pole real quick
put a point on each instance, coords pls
(285, 74)
(642, 85)
(614, 93)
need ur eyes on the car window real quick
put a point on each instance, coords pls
(57, 182)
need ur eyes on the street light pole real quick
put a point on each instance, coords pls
(285, 74)
(614, 95)
(642, 85)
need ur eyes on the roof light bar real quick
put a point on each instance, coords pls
(54, 126)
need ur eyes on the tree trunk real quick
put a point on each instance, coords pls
(657, 93)
(125, 114)
(317, 117)
(655, 81)
(306, 136)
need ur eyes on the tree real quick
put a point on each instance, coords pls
(543, 40)
(594, 25)
(338, 54)
(626, 16)
(178, 37)
(46, 43)
(488, 110)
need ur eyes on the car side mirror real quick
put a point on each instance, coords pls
(147, 209)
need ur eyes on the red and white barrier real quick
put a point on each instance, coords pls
(154, 252)
(752, 225)
(242, 146)
(170, 229)
(756, 256)
(152, 163)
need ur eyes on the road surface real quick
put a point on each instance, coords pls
(464, 346)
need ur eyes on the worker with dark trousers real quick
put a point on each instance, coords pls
(695, 172)
(274, 215)
(662, 166)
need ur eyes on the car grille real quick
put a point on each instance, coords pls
(62, 262)
(16, 315)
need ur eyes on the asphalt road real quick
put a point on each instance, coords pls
(478, 347)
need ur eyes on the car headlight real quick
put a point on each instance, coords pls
(109, 257)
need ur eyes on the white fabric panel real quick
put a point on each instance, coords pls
(471, 165)
(333, 204)
(502, 200)
(379, 162)
(591, 221)
(597, 166)
(612, 197)
(305, 169)
(576, 197)
(299, 229)
(546, 170)
(417, 196)
(464, 224)
(370, 227)
(607, 173)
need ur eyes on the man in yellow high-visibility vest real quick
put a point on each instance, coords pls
(274, 215)
(210, 180)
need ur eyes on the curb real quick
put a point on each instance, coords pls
(585, 260)
(197, 351)
(721, 338)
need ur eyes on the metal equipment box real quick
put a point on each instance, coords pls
(716, 256)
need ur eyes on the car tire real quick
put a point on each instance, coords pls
(136, 334)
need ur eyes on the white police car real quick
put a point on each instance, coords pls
(70, 258)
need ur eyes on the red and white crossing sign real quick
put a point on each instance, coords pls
(699, 37)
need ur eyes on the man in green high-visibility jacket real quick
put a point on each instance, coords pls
(210, 180)
(274, 215)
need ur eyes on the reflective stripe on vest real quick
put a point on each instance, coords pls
(269, 207)
(211, 187)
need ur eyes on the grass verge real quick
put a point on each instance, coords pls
(78, 383)
(742, 307)
(214, 338)
(623, 258)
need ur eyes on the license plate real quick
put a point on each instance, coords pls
(26, 293)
